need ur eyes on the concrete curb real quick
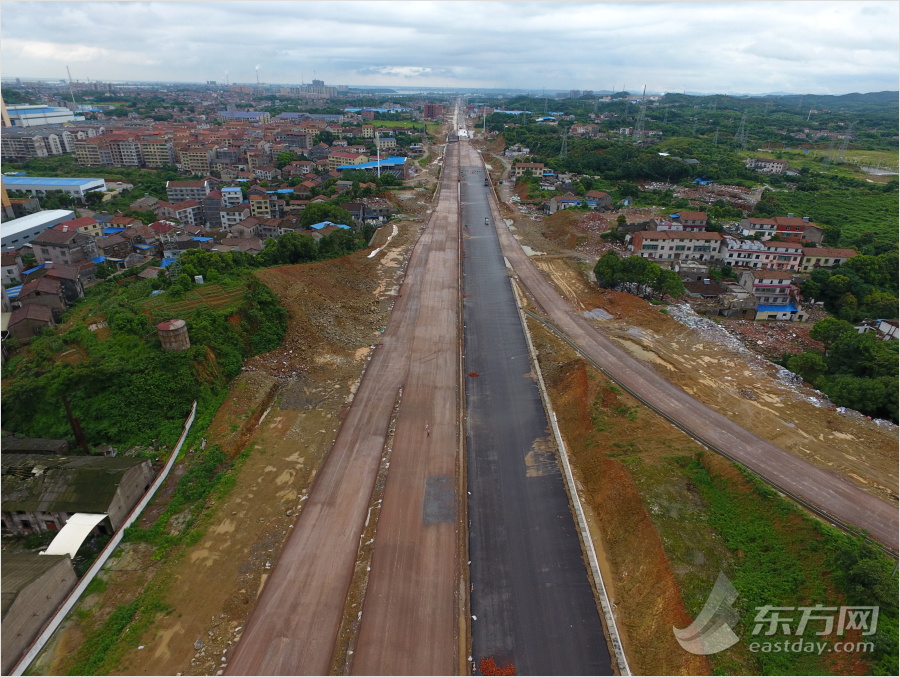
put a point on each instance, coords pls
(101, 560)
(584, 531)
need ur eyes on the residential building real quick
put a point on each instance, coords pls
(263, 206)
(12, 267)
(188, 212)
(63, 246)
(179, 191)
(824, 257)
(211, 205)
(767, 165)
(432, 111)
(787, 227)
(231, 216)
(196, 160)
(43, 291)
(25, 144)
(158, 152)
(84, 224)
(536, 168)
(775, 292)
(254, 117)
(232, 195)
(341, 159)
(28, 321)
(676, 245)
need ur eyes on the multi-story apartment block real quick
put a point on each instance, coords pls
(88, 152)
(231, 216)
(769, 255)
(824, 257)
(34, 142)
(178, 191)
(211, 205)
(157, 152)
(232, 195)
(263, 206)
(189, 212)
(196, 160)
(126, 152)
(339, 158)
(432, 111)
(676, 245)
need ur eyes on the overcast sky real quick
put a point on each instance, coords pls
(718, 47)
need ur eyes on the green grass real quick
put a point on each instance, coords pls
(853, 210)
(771, 551)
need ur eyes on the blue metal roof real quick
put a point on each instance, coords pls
(13, 292)
(323, 224)
(98, 259)
(386, 162)
(786, 308)
(31, 270)
(49, 180)
(165, 263)
(112, 231)
(143, 247)
(202, 239)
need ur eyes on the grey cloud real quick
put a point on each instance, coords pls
(713, 46)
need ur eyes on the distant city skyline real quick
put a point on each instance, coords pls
(744, 47)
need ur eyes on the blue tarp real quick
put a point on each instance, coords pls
(98, 259)
(112, 231)
(165, 263)
(787, 308)
(202, 239)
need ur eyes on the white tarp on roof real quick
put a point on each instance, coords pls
(72, 535)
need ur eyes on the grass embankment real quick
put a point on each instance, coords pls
(672, 516)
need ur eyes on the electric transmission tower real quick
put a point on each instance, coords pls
(845, 142)
(641, 119)
(564, 150)
(741, 136)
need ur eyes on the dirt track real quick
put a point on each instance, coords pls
(823, 489)
(407, 628)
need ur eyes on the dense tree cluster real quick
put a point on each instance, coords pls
(637, 275)
(858, 371)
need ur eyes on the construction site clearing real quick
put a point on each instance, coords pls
(286, 406)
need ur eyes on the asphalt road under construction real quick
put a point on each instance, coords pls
(825, 493)
(532, 602)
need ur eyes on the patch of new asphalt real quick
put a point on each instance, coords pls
(532, 601)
